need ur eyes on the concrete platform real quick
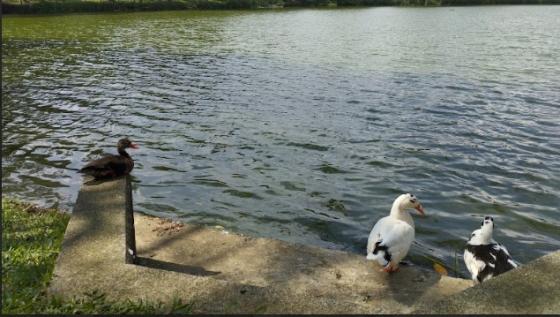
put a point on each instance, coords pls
(531, 289)
(223, 272)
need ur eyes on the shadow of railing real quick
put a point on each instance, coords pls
(131, 256)
(168, 266)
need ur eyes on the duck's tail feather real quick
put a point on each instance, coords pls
(371, 257)
(86, 170)
(380, 253)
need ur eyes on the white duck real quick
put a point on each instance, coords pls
(391, 237)
(485, 257)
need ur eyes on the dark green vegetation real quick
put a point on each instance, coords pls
(31, 239)
(67, 6)
(337, 205)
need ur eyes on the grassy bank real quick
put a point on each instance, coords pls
(31, 239)
(68, 6)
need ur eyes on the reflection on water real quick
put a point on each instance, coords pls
(302, 125)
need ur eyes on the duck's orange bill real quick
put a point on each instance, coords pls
(420, 209)
(134, 145)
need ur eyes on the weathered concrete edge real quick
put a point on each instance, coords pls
(85, 229)
(493, 291)
(530, 289)
(92, 258)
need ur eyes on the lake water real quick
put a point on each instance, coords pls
(302, 125)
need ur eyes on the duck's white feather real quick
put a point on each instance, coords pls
(397, 235)
(473, 265)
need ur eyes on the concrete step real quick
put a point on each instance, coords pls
(223, 272)
(530, 289)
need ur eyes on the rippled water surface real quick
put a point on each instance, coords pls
(302, 125)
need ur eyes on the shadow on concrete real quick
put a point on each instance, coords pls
(89, 224)
(168, 266)
(529, 289)
(91, 181)
(407, 286)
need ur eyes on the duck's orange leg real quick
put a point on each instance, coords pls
(390, 268)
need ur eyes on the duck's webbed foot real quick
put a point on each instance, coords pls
(390, 268)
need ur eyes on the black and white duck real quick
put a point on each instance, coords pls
(484, 257)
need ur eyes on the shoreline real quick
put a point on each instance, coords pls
(220, 271)
(425, 262)
(73, 7)
(250, 288)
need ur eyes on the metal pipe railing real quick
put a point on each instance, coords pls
(130, 234)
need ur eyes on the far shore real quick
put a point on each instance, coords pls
(34, 7)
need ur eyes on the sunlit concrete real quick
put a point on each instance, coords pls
(223, 272)
(531, 289)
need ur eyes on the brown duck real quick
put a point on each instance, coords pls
(112, 165)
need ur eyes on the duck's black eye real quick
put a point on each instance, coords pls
(472, 235)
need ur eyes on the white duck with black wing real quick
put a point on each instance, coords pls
(484, 257)
(391, 236)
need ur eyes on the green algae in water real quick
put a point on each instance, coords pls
(336, 205)
(292, 186)
(309, 146)
(329, 169)
(209, 182)
(241, 194)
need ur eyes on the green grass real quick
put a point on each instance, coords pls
(31, 239)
